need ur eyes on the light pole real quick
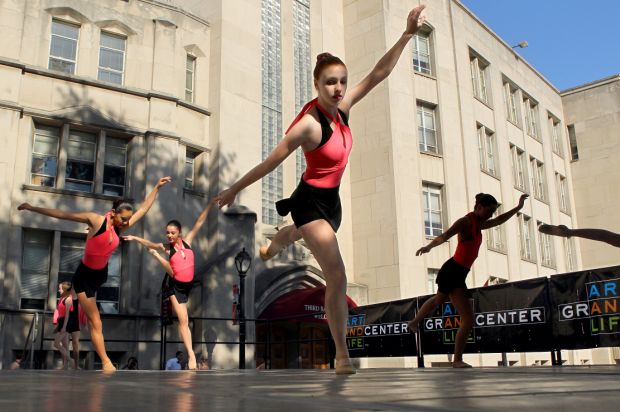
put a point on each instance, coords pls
(242, 262)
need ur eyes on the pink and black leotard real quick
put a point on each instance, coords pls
(316, 196)
(182, 263)
(453, 273)
(93, 269)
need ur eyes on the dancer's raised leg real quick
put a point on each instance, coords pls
(283, 238)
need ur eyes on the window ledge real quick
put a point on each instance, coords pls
(545, 201)
(71, 192)
(528, 260)
(483, 102)
(561, 155)
(496, 177)
(194, 192)
(522, 190)
(517, 125)
(500, 251)
(432, 154)
(428, 76)
(549, 266)
(566, 212)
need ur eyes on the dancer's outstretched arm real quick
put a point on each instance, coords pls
(148, 202)
(386, 64)
(504, 216)
(154, 249)
(199, 222)
(601, 235)
(299, 134)
(453, 230)
(90, 218)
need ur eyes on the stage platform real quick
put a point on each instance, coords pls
(433, 389)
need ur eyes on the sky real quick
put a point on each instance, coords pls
(570, 42)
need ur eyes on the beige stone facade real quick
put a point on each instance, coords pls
(459, 82)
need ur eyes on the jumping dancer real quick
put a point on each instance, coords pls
(451, 276)
(101, 241)
(601, 235)
(180, 267)
(322, 131)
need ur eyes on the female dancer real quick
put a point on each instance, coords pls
(451, 276)
(180, 267)
(101, 241)
(322, 130)
(61, 337)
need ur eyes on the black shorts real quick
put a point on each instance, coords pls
(309, 203)
(89, 280)
(451, 276)
(179, 289)
(73, 324)
(61, 322)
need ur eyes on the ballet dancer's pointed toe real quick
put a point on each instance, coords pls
(108, 367)
(345, 367)
(460, 365)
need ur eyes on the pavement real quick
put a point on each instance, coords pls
(580, 388)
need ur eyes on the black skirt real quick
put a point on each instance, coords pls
(451, 276)
(309, 203)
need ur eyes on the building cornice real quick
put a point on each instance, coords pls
(591, 85)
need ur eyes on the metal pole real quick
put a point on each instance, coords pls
(35, 321)
(241, 322)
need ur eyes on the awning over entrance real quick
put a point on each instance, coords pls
(299, 304)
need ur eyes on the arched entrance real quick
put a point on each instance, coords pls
(294, 333)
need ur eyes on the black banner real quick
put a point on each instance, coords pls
(380, 330)
(513, 317)
(586, 308)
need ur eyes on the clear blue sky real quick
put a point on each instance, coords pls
(570, 42)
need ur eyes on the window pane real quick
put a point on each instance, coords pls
(113, 42)
(61, 66)
(35, 264)
(64, 48)
(79, 186)
(81, 146)
(80, 170)
(44, 165)
(115, 155)
(113, 190)
(111, 59)
(114, 175)
(65, 29)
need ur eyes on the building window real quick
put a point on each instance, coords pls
(111, 58)
(572, 137)
(563, 199)
(303, 66)
(510, 101)
(81, 157)
(433, 225)
(80, 170)
(495, 235)
(71, 252)
(114, 166)
(556, 135)
(487, 150)
(519, 168)
(272, 104)
(531, 117)
(427, 129)
(525, 237)
(190, 77)
(190, 168)
(539, 185)
(479, 78)
(45, 156)
(431, 281)
(35, 268)
(571, 256)
(422, 52)
(63, 46)
(547, 257)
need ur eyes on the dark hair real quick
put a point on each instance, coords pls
(179, 353)
(485, 200)
(121, 204)
(174, 223)
(322, 61)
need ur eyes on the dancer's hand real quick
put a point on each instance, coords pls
(522, 200)
(24, 206)
(129, 238)
(225, 198)
(423, 250)
(163, 181)
(414, 20)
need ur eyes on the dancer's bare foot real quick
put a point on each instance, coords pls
(412, 326)
(344, 367)
(460, 364)
(191, 363)
(108, 367)
(263, 252)
(559, 230)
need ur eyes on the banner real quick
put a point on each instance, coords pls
(512, 317)
(380, 330)
(586, 310)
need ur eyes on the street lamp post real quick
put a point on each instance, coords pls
(242, 263)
